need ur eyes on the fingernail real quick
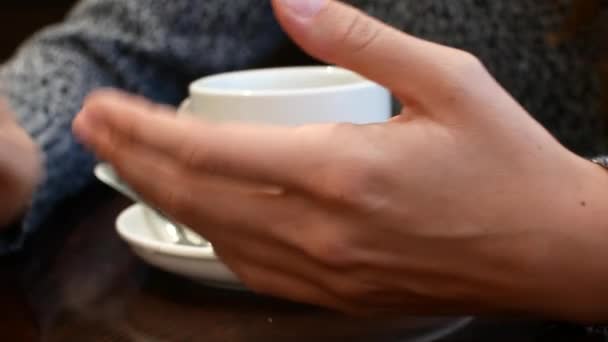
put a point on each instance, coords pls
(305, 8)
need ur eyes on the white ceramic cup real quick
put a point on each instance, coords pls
(289, 96)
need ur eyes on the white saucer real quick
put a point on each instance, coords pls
(144, 232)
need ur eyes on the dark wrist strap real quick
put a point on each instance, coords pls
(602, 161)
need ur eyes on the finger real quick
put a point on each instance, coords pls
(340, 34)
(152, 108)
(256, 153)
(290, 255)
(283, 282)
(201, 201)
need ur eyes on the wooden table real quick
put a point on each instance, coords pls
(19, 19)
(78, 281)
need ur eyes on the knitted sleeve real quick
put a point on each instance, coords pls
(150, 47)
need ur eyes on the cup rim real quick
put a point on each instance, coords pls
(197, 87)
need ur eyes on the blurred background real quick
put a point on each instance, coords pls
(20, 18)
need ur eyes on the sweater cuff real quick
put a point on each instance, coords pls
(12, 238)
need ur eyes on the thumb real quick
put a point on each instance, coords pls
(339, 34)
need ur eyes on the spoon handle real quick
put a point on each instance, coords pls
(105, 172)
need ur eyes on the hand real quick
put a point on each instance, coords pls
(20, 168)
(461, 204)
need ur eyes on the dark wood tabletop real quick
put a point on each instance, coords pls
(19, 19)
(77, 281)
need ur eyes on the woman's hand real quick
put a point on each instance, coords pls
(20, 168)
(462, 204)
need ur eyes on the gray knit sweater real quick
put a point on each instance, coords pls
(156, 47)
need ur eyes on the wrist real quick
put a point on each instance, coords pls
(572, 257)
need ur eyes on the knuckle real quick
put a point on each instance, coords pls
(130, 131)
(113, 147)
(346, 187)
(186, 152)
(119, 143)
(339, 130)
(461, 70)
(351, 177)
(175, 202)
(190, 153)
(332, 249)
(358, 34)
(171, 201)
(464, 65)
(469, 62)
